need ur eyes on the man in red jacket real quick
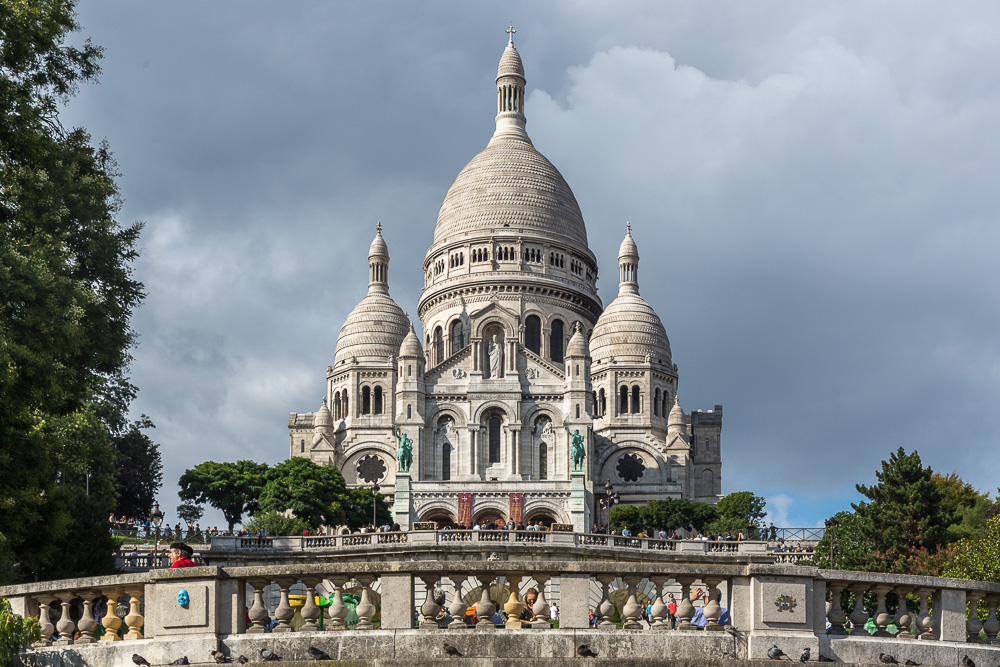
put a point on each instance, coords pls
(180, 555)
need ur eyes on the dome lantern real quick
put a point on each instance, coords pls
(628, 263)
(510, 93)
(378, 263)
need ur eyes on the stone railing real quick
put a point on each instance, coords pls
(415, 605)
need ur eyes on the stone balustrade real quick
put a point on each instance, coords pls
(412, 604)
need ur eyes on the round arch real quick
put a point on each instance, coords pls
(448, 410)
(486, 407)
(509, 329)
(655, 470)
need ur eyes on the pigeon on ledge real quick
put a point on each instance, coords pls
(183, 660)
(775, 653)
(316, 654)
(585, 651)
(270, 655)
(139, 660)
(452, 651)
(220, 657)
(805, 655)
(243, 660)
(887, 659)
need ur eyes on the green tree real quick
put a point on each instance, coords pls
(358, 508)
(140, 470)
(16, 633)
(903, 515)
(968, 507)
(67, 299)
(737, 512)
(977, 559)
(232, 488)
(850, 550)
(276, 523)
(673, 514)
(314, 493)
(626, 515)
(189, 512)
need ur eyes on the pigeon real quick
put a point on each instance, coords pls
(887, 659)
(730, 630)
(775, 653)
(268, 654)
(139, 660)
(243, 660)
(316, 654)
(911, 663)
(805, 655)
(585, 651)
(452, 651)
(183, 660)
(220, 657)
(967, 661)
(823, 658)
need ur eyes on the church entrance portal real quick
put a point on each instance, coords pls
(441, 518)
(489, 517)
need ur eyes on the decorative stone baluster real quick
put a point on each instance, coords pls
(632, 610)
(111, 622)
(337, 612)
(65, 626)
(45, 627)
(859, 617)
(310, 611)
(458, 606)
(992, 626)
(713, 610)
(903, 616)
(541, 607)
(606, 609)
(134, 620)
(685, 610)
(485, 608)
(882, 617)
(924, 620)
(365, 609)
(87, 625)
(258, 612)
(430, 609)
(284, 613)
(836, 615)
(658, 611)
(513, 606)
(974, 624)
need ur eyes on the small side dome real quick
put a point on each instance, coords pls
(411, 345)
(676, 416)
(628, 248)
(372, 332)
(629, 330)
(510, 62)
(378, 247)
(577, 346)
(322, 417)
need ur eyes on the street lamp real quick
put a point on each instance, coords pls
(156, 518)
(88, 482)
(830, 523)
(610, 500)
(375, 490)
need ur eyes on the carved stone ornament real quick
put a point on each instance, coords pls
(457, 373)
(371, 468)
(630, 468)
(531, 373)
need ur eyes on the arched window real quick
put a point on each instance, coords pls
(636, 403)
(409, 411)
(366, 400)
(601, 406)
(533, 333)
(663, 409)
(377, 403)
(543, 461)
(345, 413)
(494, 440)
(597, 405)
(438, 346)
(457, 336)
(302, 447)
(336, 406)
(656, 403)
(577, 410)
(623, 401)
(556, 342)
(446, 462)
(409, 370)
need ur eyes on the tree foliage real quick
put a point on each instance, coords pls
(850, 550)
(669, 515)
(16, 632)
(977, 559)
(903, 515)
(276, 523)
(189, 512)
(358, 508)
(232, 488)
(968, 507)
(67, 299)
(140, 470)
(314, 493)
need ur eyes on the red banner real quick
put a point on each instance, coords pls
(465, 509)
(516, 507)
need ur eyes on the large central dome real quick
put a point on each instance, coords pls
(510, 186)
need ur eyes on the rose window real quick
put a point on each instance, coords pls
(630, 468)
(371, 468)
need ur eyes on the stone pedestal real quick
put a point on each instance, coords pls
(401, 504)
(578, 507)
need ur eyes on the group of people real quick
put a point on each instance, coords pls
(663, 535)
(134, 527)
(699, 598)
(783, 548)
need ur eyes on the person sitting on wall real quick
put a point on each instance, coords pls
(180, 555)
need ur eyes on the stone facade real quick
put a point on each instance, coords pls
(518, 354)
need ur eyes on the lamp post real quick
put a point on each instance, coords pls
(610, 499)
(88, 482)
(375, 490)
(830, 523)
(156, 518)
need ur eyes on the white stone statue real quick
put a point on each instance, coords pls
(495, 354)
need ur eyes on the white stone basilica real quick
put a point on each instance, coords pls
(518, 352)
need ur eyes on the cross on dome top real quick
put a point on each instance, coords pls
(511, 31)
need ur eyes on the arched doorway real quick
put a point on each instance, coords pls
(544, 515)
(489, 517)
(441, 518)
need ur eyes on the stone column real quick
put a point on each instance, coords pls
(337, 611)
(365, 609)
(257, 612)
(514, 606)
(859, 617)
(310, 611)
(606, 609)
(46, 629)
(64, 626)
(836, 616)
(541, 606)
(134, 619)
(903, 616)
(458, 606)
(474, 442)
(430, 608)
(882, 617)
(685, 610)
(974, 625)
(110, 621)
(284, 612)
(992, 626)
(658, 612)
(712, 610)
(632, 611)
(485, 607)
(924, 620)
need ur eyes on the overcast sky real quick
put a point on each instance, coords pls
(808, 184)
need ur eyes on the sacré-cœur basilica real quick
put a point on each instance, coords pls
(518, 355)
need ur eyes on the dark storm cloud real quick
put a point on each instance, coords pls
(810, 188)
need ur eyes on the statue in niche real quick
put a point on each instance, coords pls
(495, 355)
(404, 452)
(576, 451)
